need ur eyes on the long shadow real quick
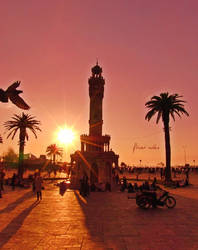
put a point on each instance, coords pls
(14, 204)
(15, 224)
(111, 229)
(94, 218)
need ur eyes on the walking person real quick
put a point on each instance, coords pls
(38, 187)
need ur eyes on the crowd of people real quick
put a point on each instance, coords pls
(131, 188)
(118, 175)
(157, 170)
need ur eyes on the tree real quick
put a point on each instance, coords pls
(21, 123)
(10, 156)
(53, 150)
(165, 106)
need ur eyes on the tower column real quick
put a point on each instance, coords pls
(96, 93)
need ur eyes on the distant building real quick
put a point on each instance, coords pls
(43, 157)
(94, 160)
(32, 162)
(29, 156)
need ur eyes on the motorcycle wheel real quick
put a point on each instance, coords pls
(170, 202)
(143, 202)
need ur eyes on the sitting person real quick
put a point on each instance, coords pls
(108, 187)
(153, 185)
(93, 187)
(182, 183)
(146, 186)
(130, 188)
(100, 187)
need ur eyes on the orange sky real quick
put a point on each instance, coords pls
(144, 47)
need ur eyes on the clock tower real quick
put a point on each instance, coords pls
(95, 159)
(96, 94)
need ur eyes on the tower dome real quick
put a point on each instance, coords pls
(96, 70)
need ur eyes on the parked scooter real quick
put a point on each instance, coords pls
(146, 199)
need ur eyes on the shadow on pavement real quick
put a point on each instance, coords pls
(14, 204)
(103, 221)
(116, 222)
(15, 224)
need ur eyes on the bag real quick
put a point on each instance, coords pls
(63, 188)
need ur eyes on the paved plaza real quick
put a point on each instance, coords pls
(104, 220)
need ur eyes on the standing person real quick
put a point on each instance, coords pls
(161, 173)
(87, 190)
(0, 188)
(187, 170)
(38, 187)
(55, 173)
(13, 181)
(117, 179)
(124, 182)
(2, 175)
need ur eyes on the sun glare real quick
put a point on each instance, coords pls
(66, 135)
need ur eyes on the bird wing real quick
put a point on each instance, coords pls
(19, 102)
(13, 86)
(3, 96)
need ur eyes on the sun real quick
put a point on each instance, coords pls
(65, 135)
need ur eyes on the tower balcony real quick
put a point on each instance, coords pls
(90, 143)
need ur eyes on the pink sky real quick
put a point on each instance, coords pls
(144, 47)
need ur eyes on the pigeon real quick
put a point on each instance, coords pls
(12, 94)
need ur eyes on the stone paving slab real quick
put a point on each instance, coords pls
(104, 220)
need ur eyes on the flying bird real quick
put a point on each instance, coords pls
(12, 94)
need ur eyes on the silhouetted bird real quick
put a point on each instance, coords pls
(13, 94)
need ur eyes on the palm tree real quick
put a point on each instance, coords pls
(165, 106)
(21, 123)
(1, 139)
(53, 150)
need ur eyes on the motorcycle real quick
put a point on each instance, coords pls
(146, 199)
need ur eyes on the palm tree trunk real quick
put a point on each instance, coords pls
(21, 153)
(54, 158)
(168, 152)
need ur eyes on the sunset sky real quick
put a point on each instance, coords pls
(144, 47)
